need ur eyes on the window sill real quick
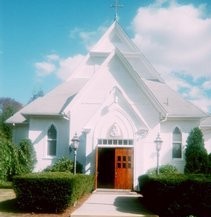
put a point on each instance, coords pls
(178, 159)
(49, 157)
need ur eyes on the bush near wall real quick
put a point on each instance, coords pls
(50, 192)
(164, 169)
(64, 164)
(177, 195)
(17, 159)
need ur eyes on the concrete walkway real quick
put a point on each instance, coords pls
(112, 204)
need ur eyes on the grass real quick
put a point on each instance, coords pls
(5, 185)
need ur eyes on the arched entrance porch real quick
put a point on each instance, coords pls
(114, 153)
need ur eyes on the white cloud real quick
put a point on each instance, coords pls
(195, 93)
(53, 57)
(207, 85)
(61, 67)
(87, 38)
(176, 35)
(44, 68)
(203, 103)
(67, 66)
(176, 38)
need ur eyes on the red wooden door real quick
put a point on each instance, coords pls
(123, 168)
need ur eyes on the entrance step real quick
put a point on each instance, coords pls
(112, 203)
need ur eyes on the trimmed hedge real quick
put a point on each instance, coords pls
(50, 192)
(177, 195)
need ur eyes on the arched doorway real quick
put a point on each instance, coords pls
(114, 157)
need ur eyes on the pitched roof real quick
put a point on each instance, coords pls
(172, 102)
(114, 38)
(166, 100)
(114, 41)
(52, 103)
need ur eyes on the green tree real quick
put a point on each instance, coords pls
(196, 154)
(209, 163)
(8, 107)
(26, 156)
(9, 158)
(36, 94)
(5, 156)
(15, 159)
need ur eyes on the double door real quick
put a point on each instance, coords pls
(115, 168)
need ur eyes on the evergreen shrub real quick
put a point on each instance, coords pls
(196, 155)
(64, 164)
(8, 160)
(164, 169)
(17, 159)
(177, 195)
(209, 164)
(26, 156)
(50, 191)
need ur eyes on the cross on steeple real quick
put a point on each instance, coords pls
(116, 5)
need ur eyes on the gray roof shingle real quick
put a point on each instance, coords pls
(53, 103)
(172, 102)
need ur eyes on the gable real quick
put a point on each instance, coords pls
(114, 74)
(142, 66)
(117, 109)
(114, 38)
(151, 97)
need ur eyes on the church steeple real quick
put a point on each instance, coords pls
(116, 6)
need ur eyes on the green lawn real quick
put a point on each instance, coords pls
(5, 185)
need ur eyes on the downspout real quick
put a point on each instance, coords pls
(163, 119)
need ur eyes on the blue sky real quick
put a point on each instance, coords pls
(41, 41)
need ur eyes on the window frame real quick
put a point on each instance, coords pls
(51, 142)
(177, 142)
(110, 142)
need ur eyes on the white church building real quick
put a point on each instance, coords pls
(117, 103)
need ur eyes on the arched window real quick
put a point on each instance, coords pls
(177, 143)
(52, 139)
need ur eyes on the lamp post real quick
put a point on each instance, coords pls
(75, 143)
(158, 142)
